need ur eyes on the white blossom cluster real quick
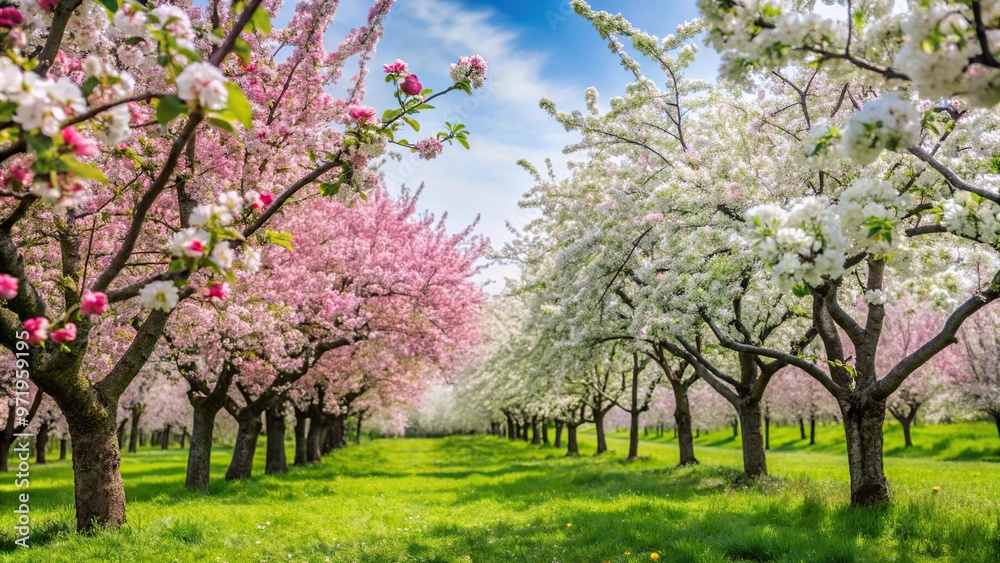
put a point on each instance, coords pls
(803, 245)
(888, 123)
(867, 200)
(204, 84)
(762, 33)
(970, 215)
(810, 242)
(42, 103)
(940, 42)
(196, 242)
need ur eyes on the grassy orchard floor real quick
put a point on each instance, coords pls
(486, 499)
(964, 441)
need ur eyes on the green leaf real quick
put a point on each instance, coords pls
(329, 189)
(133, 40)
(801, 290)
(239, 105)
(221, 123)
(176, 266)
(412, 123)
(363, 196)
(111, 5)
(283, 240)
(168, 108)
(463, 142)
(242, 50)
(261, 21)
(82, 169)
(38, 143)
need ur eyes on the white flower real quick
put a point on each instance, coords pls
(222, 256)
(888, 123)
(252, 260)
(875, 297)
(189, 243)
(162, 295)
(202, 215)
(204, 84)
(232, 200)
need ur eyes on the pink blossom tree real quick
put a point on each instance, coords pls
(129, 180)
(977, 371)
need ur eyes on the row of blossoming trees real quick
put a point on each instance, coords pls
(187, 209)
(828, 209)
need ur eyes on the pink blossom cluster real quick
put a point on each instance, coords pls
(429, 149)
(472, 69)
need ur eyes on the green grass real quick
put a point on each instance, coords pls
(962, 441)
(487, 499)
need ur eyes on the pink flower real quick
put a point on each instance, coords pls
(93, 303)
(9, 17)
(472, 69)
(218, 291)
(48, 5)
(428, 149)
(8, 286)
(411, 86)
(266, 199)
(21, 174)
(654, 218)
(398, 67)
(65, 334)
(37, 329)
(82, 146)
(361, 114)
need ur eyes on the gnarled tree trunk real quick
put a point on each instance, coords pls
(200, 452)
(863, 419)
(682, 424)
(41, 442)
(97, 479)
(754, 460)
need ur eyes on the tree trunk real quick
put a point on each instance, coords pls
(633, 436)
(357, 433)
(545, 432)
(905, 423)
(300, 437)
(241, 466)
(536, 438)
(276, 462)
(812, 430)
(133, 439)
(142, 438)
(41, 443)
(767, 432)
(314, 438)
(165, 438)
(97, 479)
(200, 452)
(184, 435)
(754, 460)
(510, 427)
(802, 428)
(559, 429)
(602, 442)
(736, 427)
(996, 418)
(863, 419)
(121, 434)
(682, 424)
(572, 448)
(62, 449)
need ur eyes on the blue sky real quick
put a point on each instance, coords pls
(535, 49)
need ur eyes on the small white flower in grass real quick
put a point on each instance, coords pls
(203, 84)
(222, 256)
(162, 295)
